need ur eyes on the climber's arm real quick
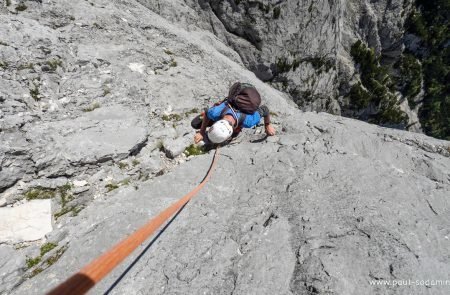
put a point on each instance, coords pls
(264, 112)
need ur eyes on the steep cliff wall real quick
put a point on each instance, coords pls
(304, 48)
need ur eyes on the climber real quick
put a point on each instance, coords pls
(241, 109)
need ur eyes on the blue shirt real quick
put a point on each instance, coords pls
(214, 114)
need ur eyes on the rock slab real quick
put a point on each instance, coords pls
(26, 222)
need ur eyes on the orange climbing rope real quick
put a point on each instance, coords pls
(95, 271)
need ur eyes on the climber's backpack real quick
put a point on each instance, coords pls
(244, 97)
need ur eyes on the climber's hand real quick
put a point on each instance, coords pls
(198, 137)
(270, 130)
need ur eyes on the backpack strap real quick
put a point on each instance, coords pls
(240, 119)
(225, 109)
(221, 101)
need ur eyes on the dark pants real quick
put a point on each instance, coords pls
(196, 123)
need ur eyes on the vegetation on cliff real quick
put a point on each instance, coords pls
(429, 21)
(376, 90)
(409, 81)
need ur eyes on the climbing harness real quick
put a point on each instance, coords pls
(95, 271)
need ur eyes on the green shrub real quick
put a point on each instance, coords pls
(300, 97)
(34, 92)
(106, 91)
(3, 65)
(263, 7)
(97, 26)
(64, 194)
(283, 65)
(390, 113)
(21, 7)
(295, 64)
(39, 193)
(276, 12)
(123, 165)
(320, 63)
(143, 176)
(92, 107)
(29, 66)
(378, 85)
(410, 80)
(191, 111)
(416, 25)
(194, 150)
(77, 210)
(54, 64)
(171, 117)
(111, 186)
(36, 271)
(33, 261)
(359, 96)
(64, 211)
(51, 260)
(47, 247)
(369, 65)
(160, 146)
(429, 21)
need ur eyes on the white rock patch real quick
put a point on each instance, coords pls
(137, 67)
(80, 183)
(27, 222)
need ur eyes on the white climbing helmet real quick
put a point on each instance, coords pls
(220, 131)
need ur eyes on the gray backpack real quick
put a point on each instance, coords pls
(244, 97)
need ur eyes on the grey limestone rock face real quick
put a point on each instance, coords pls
(11, 267)
(332, 206)
(176, 147)
(95, 103)
(300, 47)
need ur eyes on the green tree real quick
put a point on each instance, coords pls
(375, 88)
(430, 21)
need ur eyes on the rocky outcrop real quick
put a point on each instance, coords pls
(96, 101)
(303, 47)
